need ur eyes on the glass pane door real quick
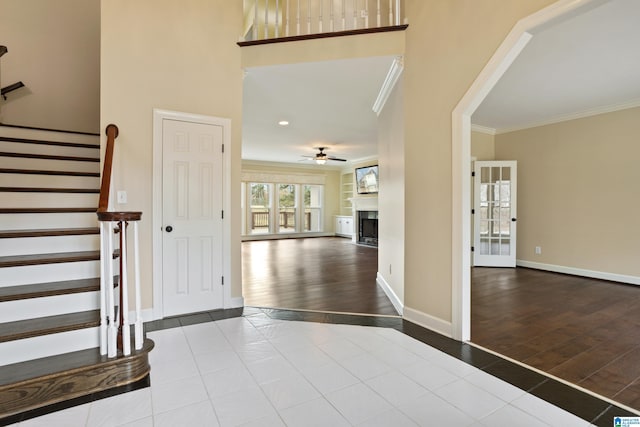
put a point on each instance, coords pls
(495, 214)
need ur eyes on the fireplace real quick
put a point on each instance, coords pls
(368, 228)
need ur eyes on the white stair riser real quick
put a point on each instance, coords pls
(48, 306)
(48, 181)
(48, 345)
(14, 276)
(47, 164)
(49, 200)
(50, 150)
(48, 135)
(49, 244)
(22, 221)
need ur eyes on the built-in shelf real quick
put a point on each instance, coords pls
(346, 193)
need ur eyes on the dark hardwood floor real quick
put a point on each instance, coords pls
(322, 274)
(582, 330)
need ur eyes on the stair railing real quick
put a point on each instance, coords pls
(114, 315)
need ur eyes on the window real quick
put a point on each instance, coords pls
(313, 208)
(260, 208)
(283, 208)
(287, 208)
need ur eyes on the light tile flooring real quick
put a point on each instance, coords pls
(259, 371)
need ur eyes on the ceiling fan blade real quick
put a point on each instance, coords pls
(336, 159)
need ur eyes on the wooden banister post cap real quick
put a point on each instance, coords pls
(114, 128)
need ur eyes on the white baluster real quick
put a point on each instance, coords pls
(366, 13)
(355, 14)
(136, 265)
(112, 339)
(298, 20)
(277, 19)
(390, 12)
(309, 17)
(266, 19)
(320, 18)
(379, 16)
(124, 290)
(286, 27)
(103, 288)
(331, 17)
(255, 20)
(397, 12)
(344, 15)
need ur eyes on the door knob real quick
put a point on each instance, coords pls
(513, 219)
(168, 229)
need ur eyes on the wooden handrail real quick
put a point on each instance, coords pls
(3, 50)
(112, 134)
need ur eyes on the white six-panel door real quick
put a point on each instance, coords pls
(192, 238)
(495, 214)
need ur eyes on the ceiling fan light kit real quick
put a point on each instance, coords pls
(321, 157)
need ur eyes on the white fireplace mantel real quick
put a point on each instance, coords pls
(364, 204)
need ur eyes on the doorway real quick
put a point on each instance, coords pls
(191, 176)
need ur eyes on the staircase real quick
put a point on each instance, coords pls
(49, 274)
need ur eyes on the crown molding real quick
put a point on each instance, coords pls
(389, 83)
(483, 129)
(574, 116)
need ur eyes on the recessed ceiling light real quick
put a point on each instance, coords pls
(283, 123)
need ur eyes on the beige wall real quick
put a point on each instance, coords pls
(391, 198)
(331, 186)
(54, 49)
(578, 196)
(483, 146)
(171, 55)
(447, 44)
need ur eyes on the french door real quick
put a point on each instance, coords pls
(495, 213)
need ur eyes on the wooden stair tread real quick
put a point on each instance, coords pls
(38, 290)
(50, 258)
(44, 142)
(48, 190)
(46, 210)
(48, 172)
(48, 232)
(24, 371)
(49, 157)
(30, 328)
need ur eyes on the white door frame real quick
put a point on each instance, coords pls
(158, 117)
(501, 60)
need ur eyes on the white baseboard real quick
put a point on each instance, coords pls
(397, 304)
(248, 238)
(236, 302)
(427, 321)
(147, 315)
(632, 280)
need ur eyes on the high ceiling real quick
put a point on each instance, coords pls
(584, 63)
(327, 104)
(589, 61)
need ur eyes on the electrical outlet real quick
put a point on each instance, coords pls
(122, 197)
(538, 250)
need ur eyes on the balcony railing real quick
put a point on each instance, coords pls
(260, 220)
(272, 19)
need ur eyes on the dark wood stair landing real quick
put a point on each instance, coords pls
(29, 389)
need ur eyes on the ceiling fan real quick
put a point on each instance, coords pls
(321, 157)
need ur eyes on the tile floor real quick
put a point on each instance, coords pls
(258, 370)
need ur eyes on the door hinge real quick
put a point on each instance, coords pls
(222, 214)
(223, 148)
(222, 281)
(473, 249)
(473, 173)
(473, 211)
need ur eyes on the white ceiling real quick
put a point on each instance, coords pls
(584, 63)
(328, 104)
